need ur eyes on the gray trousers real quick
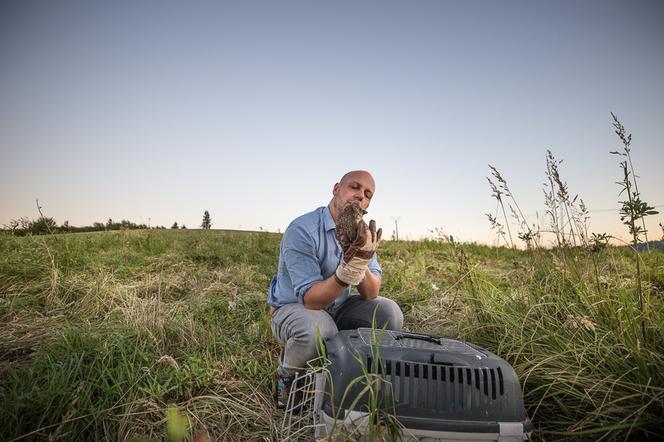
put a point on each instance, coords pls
(299, 329)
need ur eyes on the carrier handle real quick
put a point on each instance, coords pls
(419, 336)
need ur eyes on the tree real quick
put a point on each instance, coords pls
(19, 226)
(207, 223)
(183, 227)
(175, 225)
(43, 226)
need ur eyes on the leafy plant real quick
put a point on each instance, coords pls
(633, 210)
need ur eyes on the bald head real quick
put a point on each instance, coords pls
(356, 186)
(357, 173)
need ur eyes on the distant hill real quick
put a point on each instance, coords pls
(656, 245)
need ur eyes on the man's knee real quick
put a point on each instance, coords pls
(302, 334)
(313, 336)
(388, 314)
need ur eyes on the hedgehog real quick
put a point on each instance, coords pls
(348, 220)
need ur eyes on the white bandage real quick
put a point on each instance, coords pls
(353, 271)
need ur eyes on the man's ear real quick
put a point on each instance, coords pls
(335, 189)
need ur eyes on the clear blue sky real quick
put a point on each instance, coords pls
(252, 110)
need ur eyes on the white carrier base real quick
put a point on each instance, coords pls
(356, 423)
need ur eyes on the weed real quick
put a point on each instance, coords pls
(633, 210)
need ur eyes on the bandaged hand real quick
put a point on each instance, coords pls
(358, 253)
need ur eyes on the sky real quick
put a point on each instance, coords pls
(155, 111)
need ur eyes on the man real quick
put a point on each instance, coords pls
(310, 296)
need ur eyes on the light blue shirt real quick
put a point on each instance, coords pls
(310, 252)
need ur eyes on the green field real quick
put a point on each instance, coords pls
(100, 332)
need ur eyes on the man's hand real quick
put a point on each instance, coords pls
(358, 253)
(365, 243)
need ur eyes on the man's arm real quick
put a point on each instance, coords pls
(369, 287)
(324, 292)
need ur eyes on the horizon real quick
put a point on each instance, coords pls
(547, 237)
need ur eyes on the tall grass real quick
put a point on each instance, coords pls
(135, 321)
(139, 320)
(581, 324)
(577, 347)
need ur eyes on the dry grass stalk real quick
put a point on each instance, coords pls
(525, 233)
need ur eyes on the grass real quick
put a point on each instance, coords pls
(100, 332)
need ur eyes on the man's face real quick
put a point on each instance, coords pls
(357, 187)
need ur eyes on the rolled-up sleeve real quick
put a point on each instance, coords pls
(374, 267)
(300, 260)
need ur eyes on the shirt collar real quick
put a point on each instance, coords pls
(327, 219)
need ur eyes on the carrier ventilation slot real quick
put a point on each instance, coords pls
(423, 385)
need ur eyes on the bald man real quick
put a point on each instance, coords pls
(310, 296)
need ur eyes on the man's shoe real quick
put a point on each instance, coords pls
(283, 391)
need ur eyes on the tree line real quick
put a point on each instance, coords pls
(46, 225)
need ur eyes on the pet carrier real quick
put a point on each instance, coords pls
(432, 388)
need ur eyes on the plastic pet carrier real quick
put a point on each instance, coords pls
(432, 388)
